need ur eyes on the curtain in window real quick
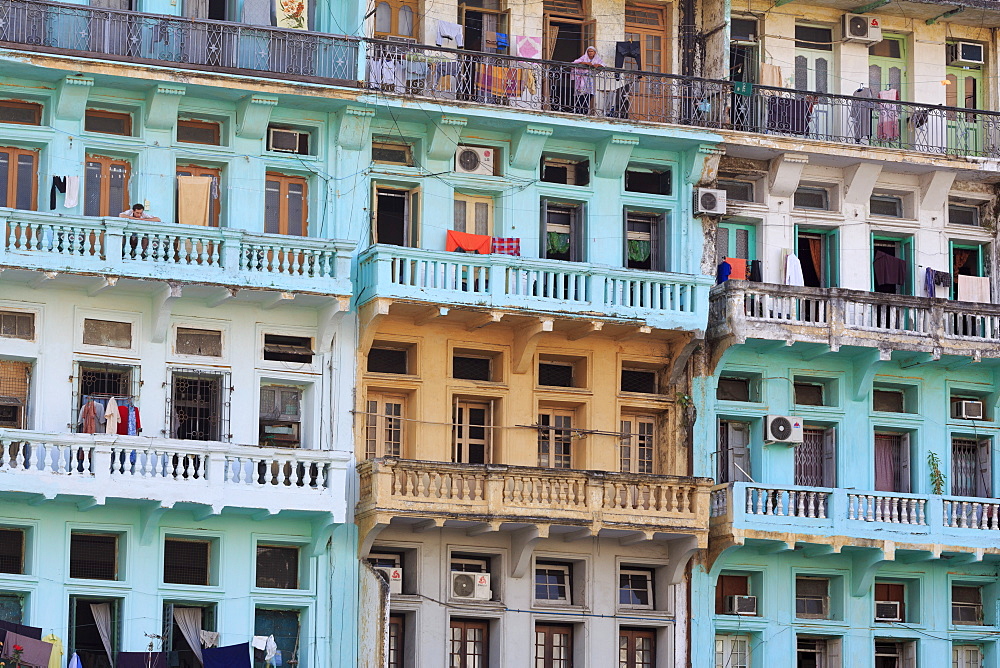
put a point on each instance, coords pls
(189, 622)
(886, 453)
(639, 250)
(102, 617)
(816, 251)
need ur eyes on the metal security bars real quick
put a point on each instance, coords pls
(198, 404)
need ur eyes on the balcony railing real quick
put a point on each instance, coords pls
(422, 489)
(157, 38)
(503, 281)
(740, 310)
(142, 249)
(826, 512)
(209, 473)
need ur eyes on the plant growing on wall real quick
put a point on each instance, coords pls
(937, 478)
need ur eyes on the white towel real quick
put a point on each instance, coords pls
(72, 192)
(209, 638)
(112, 416)
(974, 289)
(793, 271)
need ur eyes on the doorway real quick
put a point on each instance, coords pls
(964, 90)
(567, 33)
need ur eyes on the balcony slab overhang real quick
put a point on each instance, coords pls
(977, 13)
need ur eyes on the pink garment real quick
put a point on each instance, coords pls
(888, 116)
(527, 47)
(89, 417)
(583, 77)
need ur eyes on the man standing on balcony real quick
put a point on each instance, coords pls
(138, 211)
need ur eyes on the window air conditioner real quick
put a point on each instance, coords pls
(709, 201)
(967, 410)
(783, 429)
(474, 160)
(741, 605)
(887, 611)
(863, 29)
(966, 613)
(474, 586)
(965, 54)
(394, 576)
(284, 141)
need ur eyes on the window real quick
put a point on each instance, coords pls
(733, 454)
(15, 384)
(737, 191)
(645, 236)
(174, 641)
(566, 172)
(816, 458)
(971, 467)
(468, 367)
(201, 342)
(891, 654)
(960, 214)
(728, 586)
(286, 205)
(889, 401)
(280, 416)
(810, 197)
(890, 602)
(812, 598)
(562, 231)
(635, 588)
(811, 37)
(817, 652)
(809, 394)
(732, 651)
(284, 625)
(22, 113)
(553, 374)
(396, 650)
(108, 122)
(555, 438)
(967, 656)
(966, 605)
(19, 178)
(636, 648)
(743, 30)
(196, 405)
(12, 608)
(461, 564)
(186, 562)
(640, 381)
(105, 188)
(469, 643)
(93, 556)
(199, 132)
(735, 388)
(637, 443)
(886, 205)
(553, 582)
(280, 348)
(12, 551)
(85, 637)
(384, 425)
(473, 215)
(395, 18)
(892, 462)
(471, 432)
(648, 181)
(968, 260)
(817, 255)
(392, 153)
(288, 140)
(395, 216)
(99, 382)
(107, 333)
(17, 325)
(277, 567)
(385, 560)
(479, 18)
(736, 241)
(192, 195)
(553, 646)
(388, 360)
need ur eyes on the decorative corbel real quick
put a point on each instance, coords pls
(705, 164)
(161, 106)
(444, 137)
(860, 180)
(934, 189)
(71, 100)
(527, 145)
(785, 172)
(526, 341)
(253, 113)
(353, 124)
(330, 317)
(613, 155)
(162, 303)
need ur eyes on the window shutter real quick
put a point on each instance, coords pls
(92, 190)
(830, 457)
(296, 208)
(661, 260)
(721, 243)
(413, 218)
(833, 652)
(984, 469)
(543, 227)
(267, 403)
(904, 463)
(482, 217)
(272, 207)
(168, 627)
(739, 453)
(582, 173)
(4, 176)
(625, 236)
(666, 184)
(461, 218)
(909, 654)
(25, 197)
(117, 189)
(578, 253)
(373, 210)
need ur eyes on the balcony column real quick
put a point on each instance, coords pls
(231, 251)
(835, 318)
(114, 241)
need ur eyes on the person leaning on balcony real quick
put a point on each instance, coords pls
(583, 80)
(138, 211)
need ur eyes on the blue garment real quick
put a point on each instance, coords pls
(230, 656)
(929, 282)
(723, 273)
(502, 42)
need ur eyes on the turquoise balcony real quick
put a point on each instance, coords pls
(534, 286)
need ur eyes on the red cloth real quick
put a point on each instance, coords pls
(476, 243)
(123, 422)
(506, 245)
(739, 268)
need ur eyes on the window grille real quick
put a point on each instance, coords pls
(15, 383)
(17, 325)
(108, 122)
(812, 596)
(966, 605)
(638, 380)
(964, 466)
(734, 389)
(471, 368)
(101, 381)
(198, 132)
(387, 360)
(555, 375)
(198, 404)
(888, 401)
(186, 561)
(809, 459)
(93, 556)
(12, 551)
(808, 394)
(277, 567)
(811, 198)
(738, 191)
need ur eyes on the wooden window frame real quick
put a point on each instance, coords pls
(396, 647)
(631, 636)
(566, 569)
(376, 424)
(17, 104)
(464, 626)
(547, 436)
(470, 202)
(190, 122)
(394, 7)
(643, 30)
(12, 171)
(461, 444)
(632, 441)
(284, 180)
(546, 633)
(411, 213)
(107, 163)
(103, 113)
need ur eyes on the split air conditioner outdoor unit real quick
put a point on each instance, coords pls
(860, 28)
(887, 611)
(709, 201)
(474, 586)
(474, 160)
(783, 429)
(967, 410)
(741, 605)
(394, 576)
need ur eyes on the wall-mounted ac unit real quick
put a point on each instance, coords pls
(783, 429)
(966, 613)
(741, 605)
(887, 611)
(474, 160)
(966, 54)
(474, 586)
(709, 201)
(285, 141)
(967, 410)
(394, 576)
(861, 28)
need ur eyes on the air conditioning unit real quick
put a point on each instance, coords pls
(967, 410)
(394, 576)
(860, 28)
(709, 201)
(783, 429)
(473, 586)
(966, 613)
(966, 54)
(284, 141)
(887, 611)
(474, 160)
(741, 605)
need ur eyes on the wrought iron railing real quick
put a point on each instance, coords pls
(192, 42)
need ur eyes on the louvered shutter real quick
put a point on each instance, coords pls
(4, 176)
(272, 206)
(92, 189)
(578, 230)
(296, 208)
(830, 457)
(543, 227)
(984, 469)
(26, 170)
(904, 463)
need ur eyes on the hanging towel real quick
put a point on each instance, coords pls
(889, 270)
(888, 116)
(793, 271)
(55, 658)
(141, 660)
(293, 14)
(527, 46)
(112, 416)
(35, 653)
(72, 192)
(230, 656)
(974, 289)
(58, 185)
(193, 197)
(770, 75)
(452, 31)
(738, 268)
(471, 243)
(502, 40)
(257, 12)
(209, 638)
(506, 245)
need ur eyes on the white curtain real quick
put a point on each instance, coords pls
(189, 622)
(102, 617)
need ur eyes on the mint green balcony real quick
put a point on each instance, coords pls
(179, 253)
(573, 289)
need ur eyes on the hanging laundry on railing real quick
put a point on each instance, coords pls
(58, 185)
(292, 14)
(506, 246)
(756, 272)
(625, 50)
(193, 199)
(793, 270)
(34, 653)
(111, 417)
(499, 81)
(974, 289)
(129, 422)
(230, 656)
(20, 629)
(739, 268)
(92, 414)
(888, 116)
(452, 31)
(770, 75)
(72, 192)
(861, 114)
(527, 46)
(889, 270)
(469, 243)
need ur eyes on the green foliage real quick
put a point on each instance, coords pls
(937, 478)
